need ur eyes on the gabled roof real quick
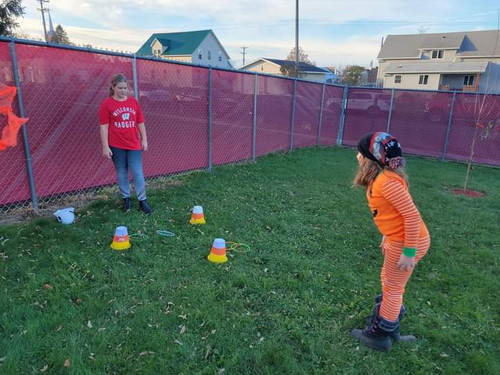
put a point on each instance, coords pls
(437, 67)
(182, 43)
(442, 41)
(467, 43)
(303, 67)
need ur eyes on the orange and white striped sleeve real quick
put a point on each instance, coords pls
(397, 195)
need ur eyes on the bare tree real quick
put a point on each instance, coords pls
(288, 68)
(484, 127)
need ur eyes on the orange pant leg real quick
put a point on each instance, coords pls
(393, 279)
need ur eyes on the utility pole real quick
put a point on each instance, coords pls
(243, 53)
(43, 10)
(296, 38)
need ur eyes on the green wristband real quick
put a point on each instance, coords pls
(409, 251)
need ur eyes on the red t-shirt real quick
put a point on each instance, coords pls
(122, 118)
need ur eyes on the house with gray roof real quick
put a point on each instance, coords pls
(273, 66)
(196, 47)
(461, 61)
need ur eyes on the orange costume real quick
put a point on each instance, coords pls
(406, 239)
(399, 221)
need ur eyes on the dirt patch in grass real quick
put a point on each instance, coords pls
(46, 209)
(468, 193)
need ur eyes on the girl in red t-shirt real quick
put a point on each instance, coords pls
(123, 137)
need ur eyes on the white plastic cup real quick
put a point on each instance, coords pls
(121, 231)
(65, 215)
(219, 243)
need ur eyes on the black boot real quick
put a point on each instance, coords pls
(378, 335)
(395, 335)
(126, 205)
(378, 300)
(144, 206)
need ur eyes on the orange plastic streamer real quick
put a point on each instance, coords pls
(14, 123)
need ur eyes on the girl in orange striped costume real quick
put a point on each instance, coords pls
(405, 237)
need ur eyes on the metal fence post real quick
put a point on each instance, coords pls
(27, 152)
(342, 115)
(210, 119)
(292, 122)
(134, 72)
(254, 132)
(390, 112)
(321, 113)
(448, 127)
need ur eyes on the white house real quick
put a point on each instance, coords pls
(464, 61)
(196, 47)
(273, 66)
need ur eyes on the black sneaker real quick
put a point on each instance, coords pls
(126, 205)
(144, 206)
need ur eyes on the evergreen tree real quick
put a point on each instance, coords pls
(60, 36)
(9, 11)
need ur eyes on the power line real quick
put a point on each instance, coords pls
(290, 22)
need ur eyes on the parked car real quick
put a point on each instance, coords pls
(372, 102)
(466, 106)
(152, 93)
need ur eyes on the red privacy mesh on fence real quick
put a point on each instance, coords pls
(475, 129)
(174, 100)
(274, 113)
(14, 185)
(232, 116)
(367, 111)
(419, 120)
(332, 104)
(307, 111)
(62, 90)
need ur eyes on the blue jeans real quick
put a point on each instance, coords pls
(125, 160)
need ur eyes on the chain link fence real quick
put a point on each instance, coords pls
(197, 117)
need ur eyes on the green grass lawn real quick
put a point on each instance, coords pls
(285, 306)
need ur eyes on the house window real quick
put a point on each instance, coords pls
(199, 54)
(397, 79)
(423, 79)
(209, 55)
(438, 54)
(220, 56)
(157, 52)
(469, 80)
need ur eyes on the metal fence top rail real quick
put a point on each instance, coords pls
(424, 90)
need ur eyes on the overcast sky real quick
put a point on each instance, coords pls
(332, 32)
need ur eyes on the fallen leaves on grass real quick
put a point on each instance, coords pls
(67, 362)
